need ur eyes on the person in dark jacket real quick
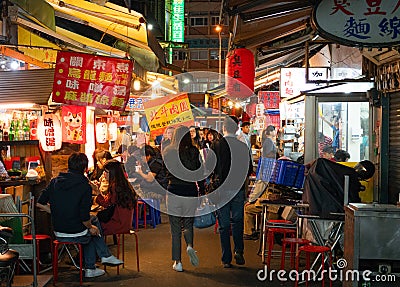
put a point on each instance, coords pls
(181, 158)
(233, 167)
(68, 198)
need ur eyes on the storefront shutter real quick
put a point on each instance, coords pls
(394, 146)
(26, 86)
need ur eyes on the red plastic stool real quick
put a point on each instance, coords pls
(56, 243)
(293, 243)
(137, 215)
(39, 237)
(121, 244)
(308, 249)
(270, 239)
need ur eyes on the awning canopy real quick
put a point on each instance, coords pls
(275, 30)
(86, 27)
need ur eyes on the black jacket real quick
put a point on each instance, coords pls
(70, 198)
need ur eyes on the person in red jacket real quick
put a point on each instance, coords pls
(121, 194)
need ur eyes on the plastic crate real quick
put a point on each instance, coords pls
(290, 174)
(267, 169)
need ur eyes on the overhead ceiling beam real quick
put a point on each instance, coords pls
(286, 45)
(275, 56)
(274, 12)
(260, 40)
(253, 29)
(244, 7)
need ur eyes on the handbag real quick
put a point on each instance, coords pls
(106, 214)
(204, 216)
(212, 183)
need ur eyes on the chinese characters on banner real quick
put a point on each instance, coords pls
(135, 103)
(368, 22)
(173, 110)
(270, 99)
(49, 132)
(89, 80)
(74, 124)
(240, 72)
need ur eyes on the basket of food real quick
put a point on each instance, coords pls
(14, 172)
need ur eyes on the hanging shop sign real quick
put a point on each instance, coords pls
(293, 80)
(270, 99)
(90, 80)
(101, 132)
(359, 22)
(173, 110)
(135, 103)
(74, 124)
(240, 73)
(49, 132)
(177, 21)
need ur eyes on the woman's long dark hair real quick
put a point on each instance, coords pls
(97, 156)
(118, 183)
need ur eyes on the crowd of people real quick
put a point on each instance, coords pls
(173, 172)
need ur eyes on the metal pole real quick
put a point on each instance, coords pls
(219, 58)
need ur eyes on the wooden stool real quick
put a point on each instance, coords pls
(308, 249)
(56, 243)
(293, 242)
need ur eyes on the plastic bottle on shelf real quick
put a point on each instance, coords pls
(26, 129)
(33, 129)
(19, 133)
(1, 131)
(11, 132)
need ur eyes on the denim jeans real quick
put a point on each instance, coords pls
(91, 245)
(229, 215)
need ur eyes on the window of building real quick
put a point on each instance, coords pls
(214, 54)
(214, 20)
(199, 55)
(198, 21)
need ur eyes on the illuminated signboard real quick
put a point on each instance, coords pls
(89, 80)
(359, 22)
(178, 21)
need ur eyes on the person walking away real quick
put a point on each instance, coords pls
(230, 215)
(181, 199)
(121, 194)
(68, 198)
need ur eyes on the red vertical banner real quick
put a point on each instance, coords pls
(74, 124)
(90, 80)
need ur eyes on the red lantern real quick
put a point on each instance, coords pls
(240, 73)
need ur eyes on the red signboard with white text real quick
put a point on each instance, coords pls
(90, 80)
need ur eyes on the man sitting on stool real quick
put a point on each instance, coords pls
(253, 208)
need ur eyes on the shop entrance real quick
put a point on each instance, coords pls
(342, 122)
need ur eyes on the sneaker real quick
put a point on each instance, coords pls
(250, 237)
(177, 266)
(227, 265)
(90, 273)
(239, 258)
(193, 256)
(111, 260)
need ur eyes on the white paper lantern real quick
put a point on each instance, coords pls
(49, 132)
(101, 132)
(112, 131)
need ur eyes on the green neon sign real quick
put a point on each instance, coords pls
(178, 21)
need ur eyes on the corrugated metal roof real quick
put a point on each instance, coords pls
(26, 86)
